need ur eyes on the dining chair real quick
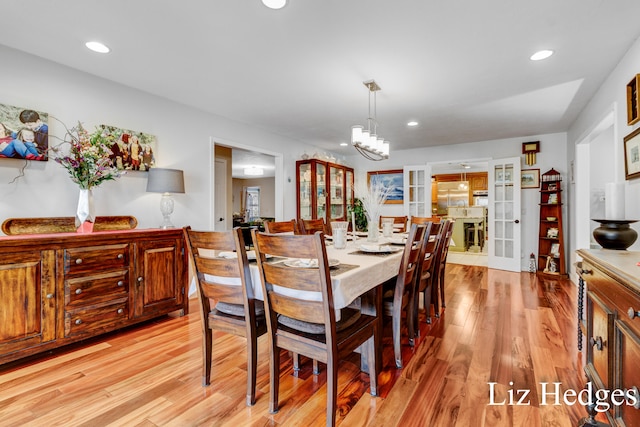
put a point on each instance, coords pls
(400, 291)
(426, 275)
(399, 223)
(308, 326)
(227, 281)
(310, 226)
(440, 269)
(281, 227)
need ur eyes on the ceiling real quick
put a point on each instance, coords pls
(459, 68)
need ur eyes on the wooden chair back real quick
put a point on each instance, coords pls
(308, 326)
(424, 219)
(426, 275)
(404, 289)
(310, 226)
(15, 226)
(399, 223)
(281, 227)
(223, 276)
(441, 266)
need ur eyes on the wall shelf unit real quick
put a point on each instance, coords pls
(551, 256)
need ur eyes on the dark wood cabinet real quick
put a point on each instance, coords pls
(551, 256)
(323, 190)
(61, 288)
(613, 328)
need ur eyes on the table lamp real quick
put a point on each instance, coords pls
(165, 181)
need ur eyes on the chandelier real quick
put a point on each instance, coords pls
(367, 142)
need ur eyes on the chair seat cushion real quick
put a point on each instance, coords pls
(349, 317)
(238, 309)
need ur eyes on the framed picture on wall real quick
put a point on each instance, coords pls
(632, 155)
(24, 133)
(392, 179)
(132, 150)
(530, 178)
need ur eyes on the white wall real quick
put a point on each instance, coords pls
(610, 96)
(184, 142)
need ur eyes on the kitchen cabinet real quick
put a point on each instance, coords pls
(551, 256)
(613, 328)
(61, 288)
(323, 190)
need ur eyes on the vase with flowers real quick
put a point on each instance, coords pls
(372, 198)
(89, 164)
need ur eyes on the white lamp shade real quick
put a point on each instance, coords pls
(165, 181)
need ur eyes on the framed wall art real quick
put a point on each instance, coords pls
(24, 133)
(632, 155)
(393, 179)
(132, 150)
(530, 178)
(633, 106)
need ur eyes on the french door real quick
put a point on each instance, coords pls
(504, 214)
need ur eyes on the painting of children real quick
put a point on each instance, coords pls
(133, 150)
(24, 133)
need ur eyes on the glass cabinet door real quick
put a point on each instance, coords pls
(336, 193)
(349, 186)
(321, 190)
(305, 191)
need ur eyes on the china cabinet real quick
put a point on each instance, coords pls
(551, 258)
(324, 190)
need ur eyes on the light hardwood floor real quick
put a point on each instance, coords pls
(497, 327)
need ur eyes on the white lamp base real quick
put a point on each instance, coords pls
(166, 208)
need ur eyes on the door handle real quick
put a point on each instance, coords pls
(517, 221)
(221, 219)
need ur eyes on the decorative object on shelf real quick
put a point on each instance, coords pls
(615, 233)
(530, 178)
(552, 232)
(551, 175)
(633, 109)
(392, 180)
(166, 181)
(553, 199)
(529, 149)
(89, 164)
(367, 142)
(373, 197)
(632, 155)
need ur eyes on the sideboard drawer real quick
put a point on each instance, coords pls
(96, 319)
(600, 335)
(95, 258)
(92, 289)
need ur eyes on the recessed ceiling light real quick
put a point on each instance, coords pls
(343, 144)
(275, 4)
(541, 54)
(412, 123)
(97, 47)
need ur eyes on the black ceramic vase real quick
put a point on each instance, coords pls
(615, 233)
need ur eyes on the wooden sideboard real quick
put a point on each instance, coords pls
(56, 289)
(612, 281)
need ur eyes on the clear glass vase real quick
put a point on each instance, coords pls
(85, 214)
(372, 230)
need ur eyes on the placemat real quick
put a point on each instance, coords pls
(342, 268)
(382, 254)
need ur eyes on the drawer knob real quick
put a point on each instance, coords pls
(79, 261)
(78, 321)
(633, 313)
(120, 311)
(120, 256)
(49, 296)
(597, 342)
(120, 283)
(140, 279)
(78, 291)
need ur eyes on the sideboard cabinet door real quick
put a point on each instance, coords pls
(27, 300)
(158, 280)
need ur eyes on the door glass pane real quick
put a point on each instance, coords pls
(304, 178)
(321, 171)
(508, 248)
(508, 230)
